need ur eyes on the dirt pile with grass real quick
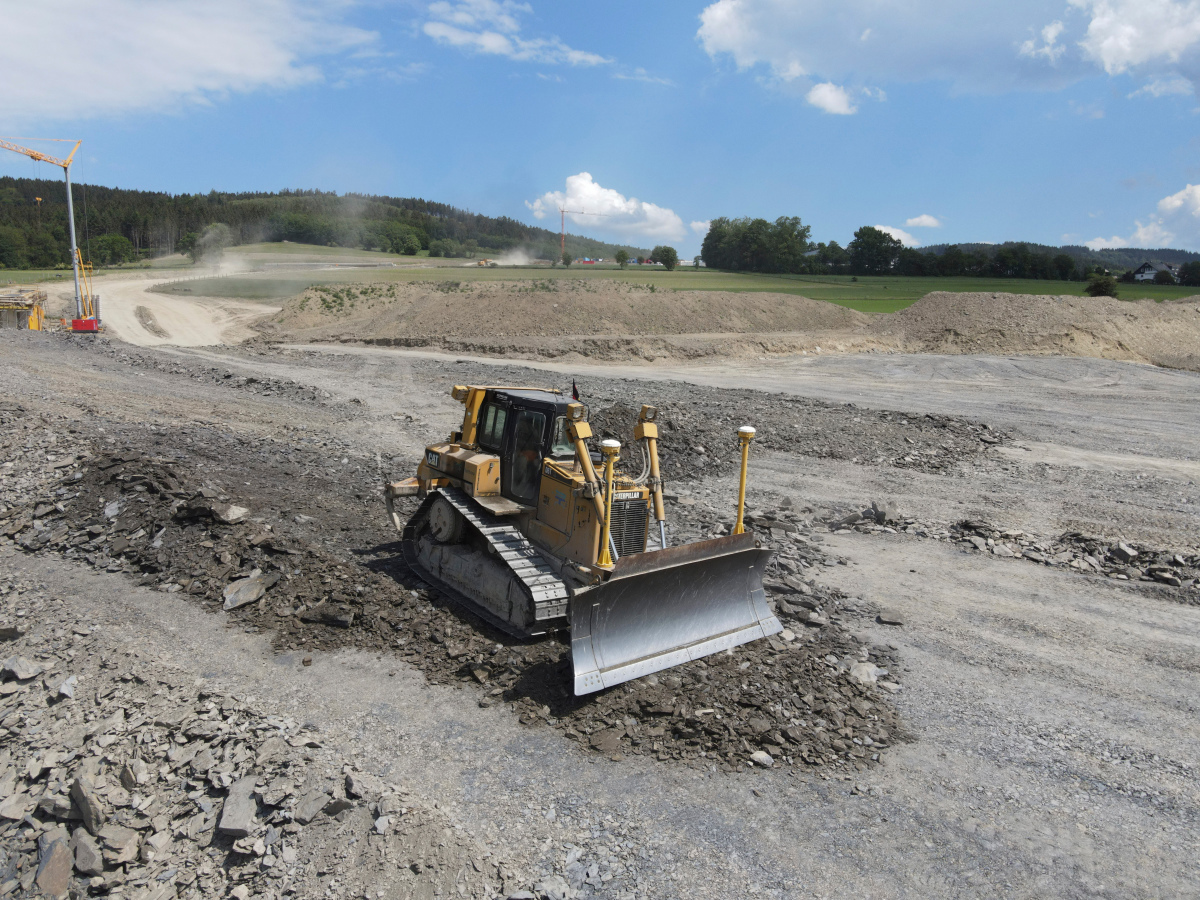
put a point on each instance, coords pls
(552, 317)
(618, 321)
(1165, 334)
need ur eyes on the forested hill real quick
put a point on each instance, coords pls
(1115, 258)
(33, 234)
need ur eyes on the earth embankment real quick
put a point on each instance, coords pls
(547, 318)
(1165, 334)
(617, 321)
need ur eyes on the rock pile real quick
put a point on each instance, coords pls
(1175, 574)
(801, 700)
(120, 777)
(698, 438)
(1114, 559)
(263, 386)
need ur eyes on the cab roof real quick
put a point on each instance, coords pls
(542, 396)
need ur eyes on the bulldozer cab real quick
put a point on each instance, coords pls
(523, 428)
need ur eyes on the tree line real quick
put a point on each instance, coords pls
(784, 247)
(115, 225)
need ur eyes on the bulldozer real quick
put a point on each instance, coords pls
(516, 524)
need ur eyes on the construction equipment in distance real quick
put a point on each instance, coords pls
(23, 308)
(89, 319)
(516, 524)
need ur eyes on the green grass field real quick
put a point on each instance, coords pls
(867, 294)
(270, 280)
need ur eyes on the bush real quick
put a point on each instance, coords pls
(665, 255)
(567, 259)
(112, 249)
(1189, 274)
(1101, 286)
(1164, 276)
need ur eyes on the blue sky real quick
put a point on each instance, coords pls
(1072, 121)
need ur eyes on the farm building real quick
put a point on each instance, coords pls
(1147, 270)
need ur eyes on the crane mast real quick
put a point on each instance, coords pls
(65, 165)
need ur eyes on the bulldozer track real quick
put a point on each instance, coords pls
(548, 591)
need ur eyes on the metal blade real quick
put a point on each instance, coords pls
(666, 607)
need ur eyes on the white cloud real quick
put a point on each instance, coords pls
(971, 46)
(832, 99)
(899, 234)
(493, 27)
(1050, 48)
(923, 221)
(1148, 234)
(1124, 34)
(701, 227)
(642, 75)
(1177, 219)
(137, 55)
(1187, 200)
(1164, 87)
(626, 216)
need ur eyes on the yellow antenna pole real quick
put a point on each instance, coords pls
(745, 436)
(610, 449)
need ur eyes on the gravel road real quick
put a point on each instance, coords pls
(1053, 714)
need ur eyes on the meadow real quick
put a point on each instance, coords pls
(264, 272)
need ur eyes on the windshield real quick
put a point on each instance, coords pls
(561, 445)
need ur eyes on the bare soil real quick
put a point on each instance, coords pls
(1165, 334)
(1046, 712)
(613, 321)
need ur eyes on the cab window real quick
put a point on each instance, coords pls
(561, 445)
(527, 454)
(492, 428)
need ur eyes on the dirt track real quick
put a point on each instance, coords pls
(1053, 712)
(137, 315)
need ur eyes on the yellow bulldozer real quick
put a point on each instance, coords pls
(516, 524)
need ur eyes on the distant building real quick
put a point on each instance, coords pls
(1147, 270)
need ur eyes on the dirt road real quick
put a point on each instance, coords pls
(137, 315)
(1053, 713)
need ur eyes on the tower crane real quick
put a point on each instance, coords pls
(87, 317)
(562, 240)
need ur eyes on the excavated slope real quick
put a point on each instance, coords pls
(551, 308)
(1165, 334)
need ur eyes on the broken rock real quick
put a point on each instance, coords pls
(309, 806)
(119, 844)
(87, 853)
(88, 803)
(238, 814)
(54, 869)
(20, 668)
(247, 590)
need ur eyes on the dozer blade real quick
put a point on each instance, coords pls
(666, 607)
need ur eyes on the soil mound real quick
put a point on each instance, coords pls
(551, 308)
(1165, 334)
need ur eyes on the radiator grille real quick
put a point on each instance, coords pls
(629, 526)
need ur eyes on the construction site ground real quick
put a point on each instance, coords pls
(1037, 736)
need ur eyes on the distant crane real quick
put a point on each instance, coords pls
(86, 317)
(562, 240)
